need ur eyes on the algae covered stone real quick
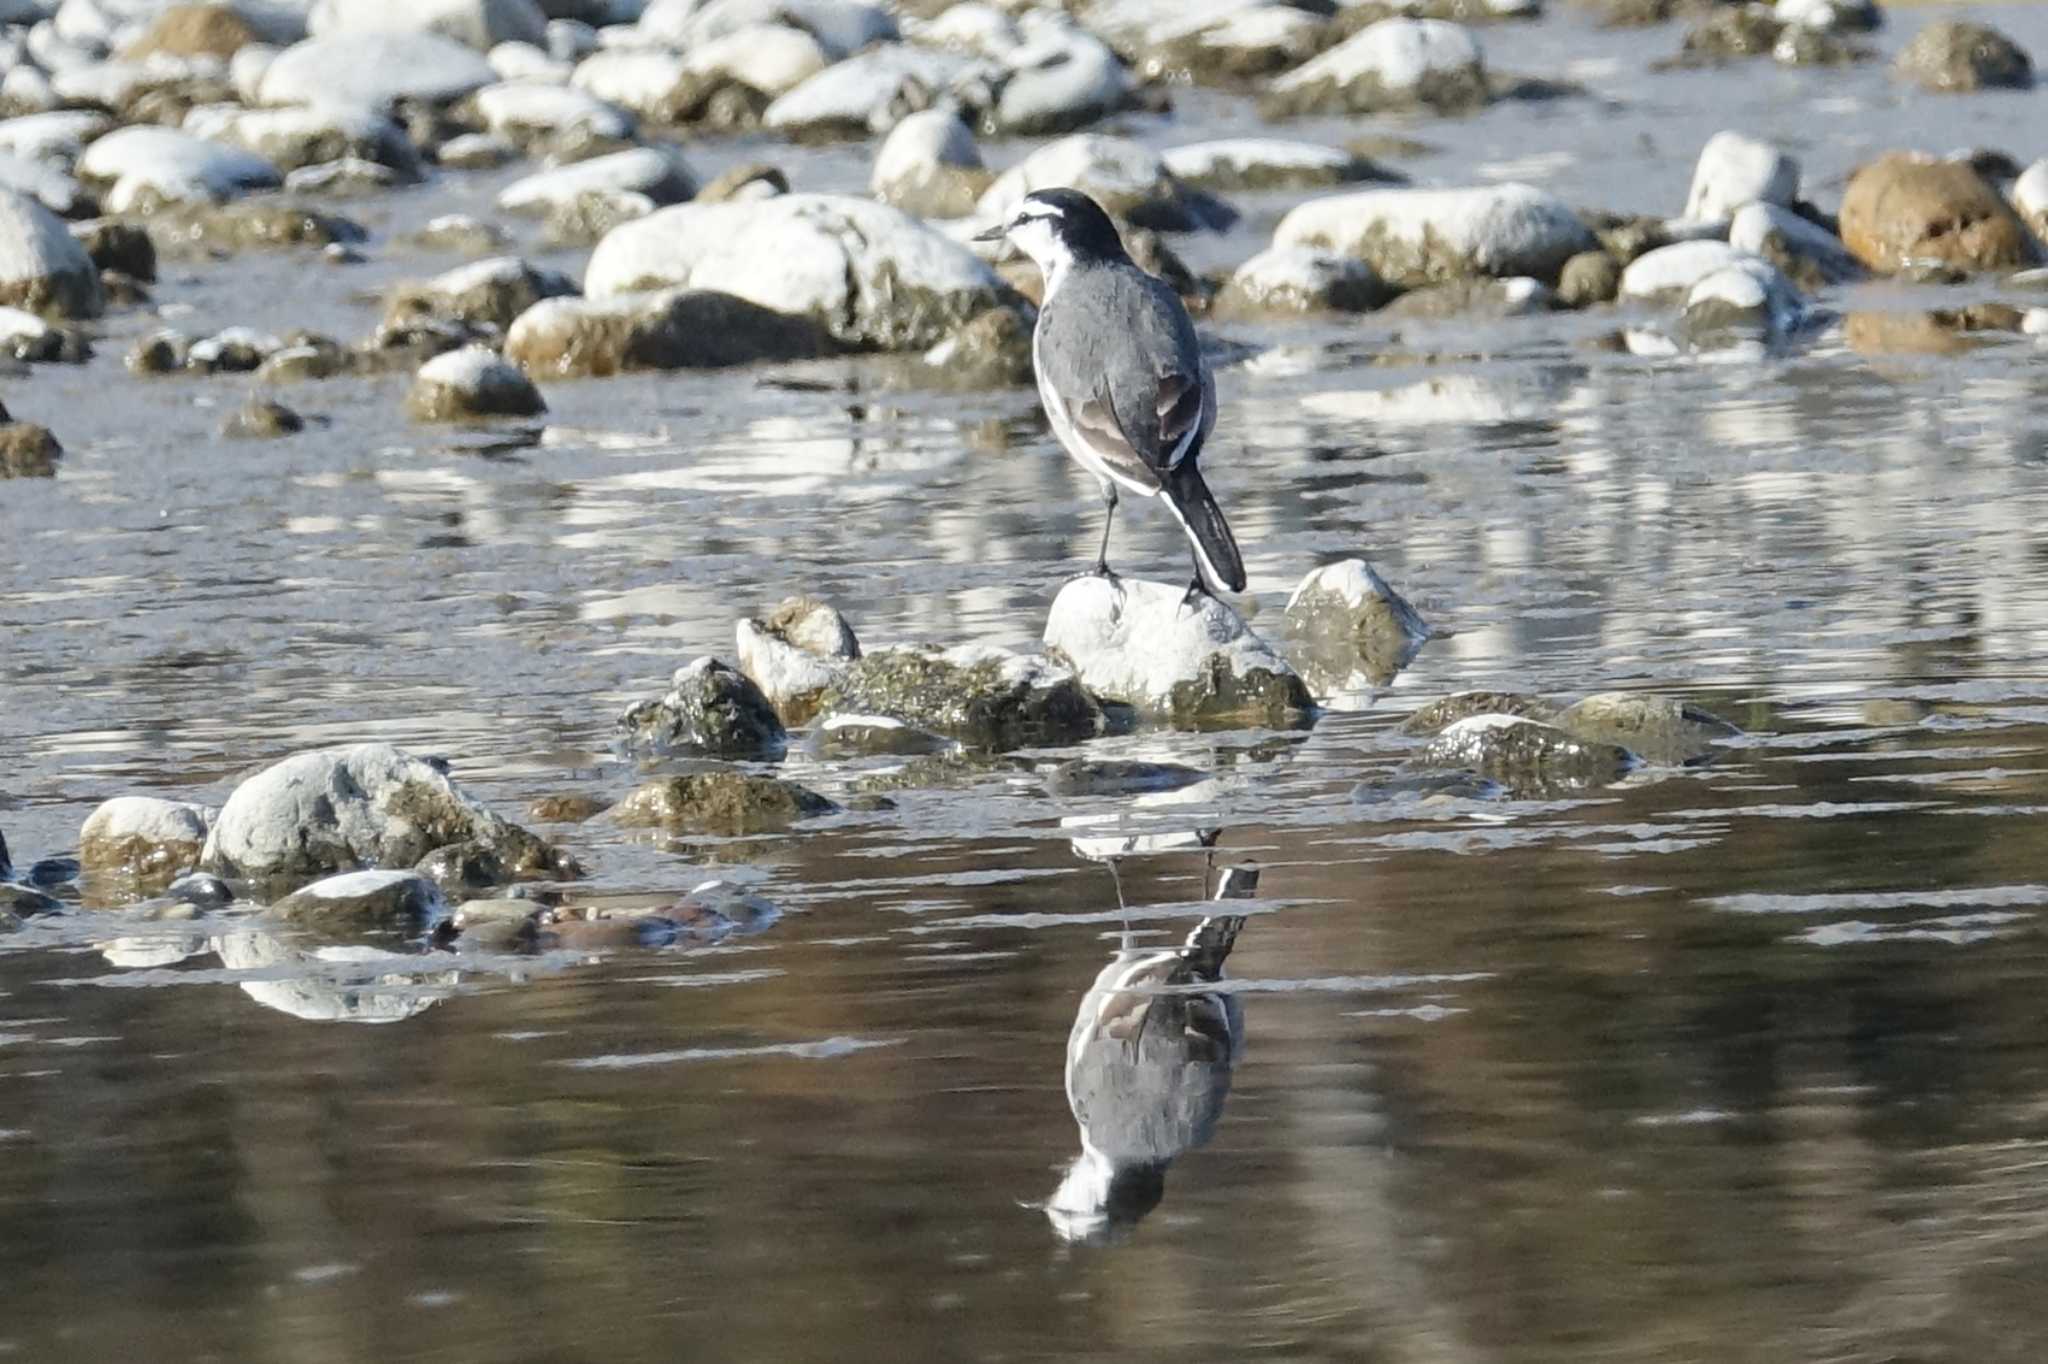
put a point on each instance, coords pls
(1661, 729)
(358, 900)
(985, 697)
(1953, 57)
(1528, 756)
(720, 803)
(142, 838)
(1197, 664)
(1352, 631)
(1444, 712)
(711, 707)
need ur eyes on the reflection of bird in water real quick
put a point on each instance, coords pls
(1148, 1069)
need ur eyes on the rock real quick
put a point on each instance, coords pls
(1060, 81)
(42, 267)
(335, 983)
(730, 803)
(461, 870)
(350, 176)
(2029, 195)
(20, 902)
(1198, 665)
(768, 59)
(260, 222)
(745, 182)
(1810, 256)
(1588, 278)
(1268, 163)
(660, 330)
(58, 137)
(290, 139)
(1952, 57)
(1412, 237)
(313, 357)
(1830, 16)
(28, 451)
(1730, 32)
(365, 805)
(989, 351)
(838, 737)
(1657, 728)
(930, 166)
(1127, 178)
(587, 219)
(475, 151)
(1746, 300)
(1530, 757)
(986, 698)
(659, 175)
(864, 94)
(31, 340)
(262, 419)
(231, 350)
(471, 383)
(1296, 280)
(366, 900)
(1517, 297)
(795, 654)
(1246, 42)
(841, 27)
(1099, 777)
(1394, 64)
(160, 352)
(374, 70)
(193, 31)
(533, 116)
(712, 86)
(711, 708)
(1669, 272)
(52, 188)
(460, 232)
(142, 839)
(486, 292)
(1441, 714)
(1902, 209)
(1734, 170)
(1800, 45)
(526, 62)
(1353, 632)
(115, 245)
(872, 276)
(480, 24)
(149, 168)
(565, 809)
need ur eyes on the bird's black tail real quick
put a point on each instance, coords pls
(1203, 520)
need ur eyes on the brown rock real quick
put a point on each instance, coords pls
(1906, 207)
(1955, 57)
(193, 31)
(1588, 278)
(28, 451)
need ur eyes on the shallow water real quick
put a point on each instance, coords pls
(1741, 1060)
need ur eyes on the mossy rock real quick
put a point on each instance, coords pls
(720, 803)
(985, 698)
(1441, 714)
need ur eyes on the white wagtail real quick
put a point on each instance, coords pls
(1120, 373)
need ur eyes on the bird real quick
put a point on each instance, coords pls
(1121, 375)
(1148, 1068)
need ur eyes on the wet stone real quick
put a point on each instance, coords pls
(31, 340)
(1748, 301)
(1352, 631)
(796, 653)
(19, 902)
(872, 736)
(1528, 756)
(461, 869)
(271, 223)
(985, 697)
(459, 232)
(929, 165)
(1809, 255)
(28, 451)
(365, 900)
(1406, 790)
(710, 708)
(1059, 82)
(116, 245)
(565, 809)
(992, 350)
(1660, 729)
(1414, 237)
(1298, 280)
(489, 292)
(1954, 57)
(142, 839)
(1904, 208)
(1129, 180)
(1589, 278)
(1440, 714)
(1119, 777)
(1268, 163)
(1194, 665)
(1517, 297)
(660, 330)
(471, 384)
(43, 268)
(262, 419)
(720, 803)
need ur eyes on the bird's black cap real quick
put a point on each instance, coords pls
(1079, 221)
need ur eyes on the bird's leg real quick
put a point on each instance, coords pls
(1108, 520)
(1196, 588)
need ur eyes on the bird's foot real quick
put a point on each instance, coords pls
(1195, 591)
(1103, 570)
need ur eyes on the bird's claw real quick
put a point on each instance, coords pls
(1195, 590)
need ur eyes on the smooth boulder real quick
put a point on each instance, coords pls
(43, 268)
(930, 165)
(470, 384)
(1397, 63)
(660, 330)
(142, 838)
(365, 900)
(1735, 170)
(1904, 209)
(1952, 57)
(1413, 237)
(374, 70)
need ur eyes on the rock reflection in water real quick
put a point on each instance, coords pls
(1148, 1068)
(333, 984)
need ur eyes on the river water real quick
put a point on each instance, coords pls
(1743, 1060)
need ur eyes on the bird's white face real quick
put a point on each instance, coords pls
(1034, 229)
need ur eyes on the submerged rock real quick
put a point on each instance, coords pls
(664, 329)
(366, 805)
(142, 839)
(28, 451)
(1441, 714)
(1658, 728)
(1529, 756)
(1413, 237)
(1735, 170)
(42, 266)
(1397, 63)
(1354, 631)
(360, 900)
(1904, 208)
(1952, 57)
(471, 384)
(720, 803)
(262, 419)
(1119, 777)
(711, 707)
(1269, 163)
(1290, 281)
(870, 275)
(985, 697)
(1196, 664)
(796, 653)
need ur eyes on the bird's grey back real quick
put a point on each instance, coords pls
(1117, 323)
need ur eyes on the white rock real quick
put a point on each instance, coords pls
(480, 24)
(149, 166)
(142, 836)
(246, 68)
(1247, 39)
(373, 70)
(874, 276)
(1830, 16)
(22, 331)
(651, 171)
(332, 984)
(1126, 177)
(1771, 232)
(1242, 160)
(58, 137)
(643, 80)
(2029, 195)
(336, 809)
(525, 62)
(108, 85)
(771, 58)
(866, 92)
(929, 165)
(27, 89)
(841, 27)
(307, 135)
(1390, 64)
(1422, 236)
(798, 653)
(524, 111)
(1060, 82)
(1301, 279)
(570, 40)
(1674, 269)
(1137, 643)
(42, 266)
(51, 187)
(1734, 170)
(969, 26)
(1352, 632)
(474, 381)
(1748, 296)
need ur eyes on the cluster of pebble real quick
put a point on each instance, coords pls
(140, 129)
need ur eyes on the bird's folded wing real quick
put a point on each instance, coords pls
(1094, 423)
(1181, 400)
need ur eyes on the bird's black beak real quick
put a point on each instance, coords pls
(994, 234)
